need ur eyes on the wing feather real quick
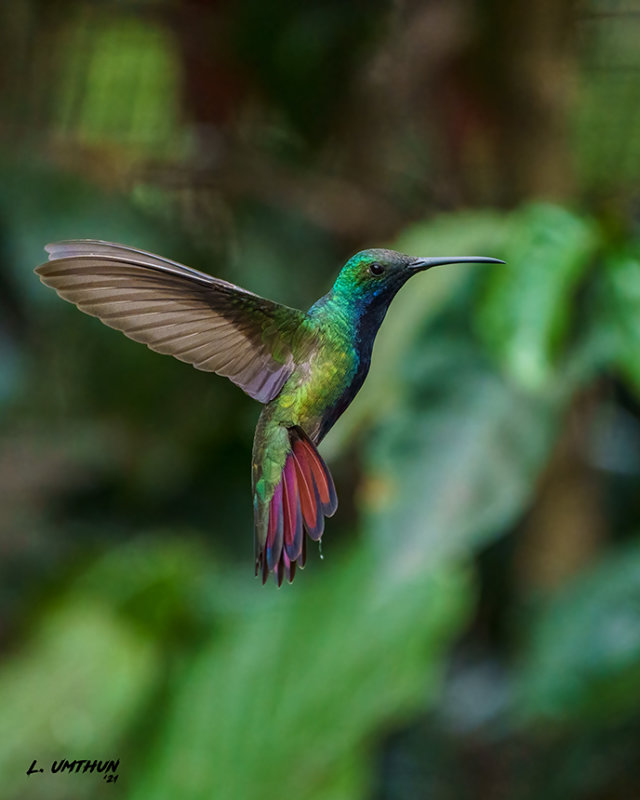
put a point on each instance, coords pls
(177, 310)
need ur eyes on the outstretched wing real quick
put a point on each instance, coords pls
(212, 324)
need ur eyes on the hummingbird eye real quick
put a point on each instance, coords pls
(376, 269)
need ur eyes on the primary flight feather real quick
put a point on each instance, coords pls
(306, 367)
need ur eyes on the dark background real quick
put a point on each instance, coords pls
(473, 630)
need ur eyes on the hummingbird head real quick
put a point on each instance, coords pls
(371, 278)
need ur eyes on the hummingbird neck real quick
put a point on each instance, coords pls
(359, 315)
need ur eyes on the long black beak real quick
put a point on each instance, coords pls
(427, 263)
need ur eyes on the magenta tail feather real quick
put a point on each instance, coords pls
(303, 497)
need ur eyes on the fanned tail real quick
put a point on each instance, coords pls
(302, 498)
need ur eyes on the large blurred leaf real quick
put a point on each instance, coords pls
(583, 655)
(527, 309)
(458, 459)
(86, 677)
(620, 321)
(286, 702)
(71, 691)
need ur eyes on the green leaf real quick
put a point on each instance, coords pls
(582, 657)
(286, 701)
(457, 460)
(620, 320)
(526, 312)
(72, 689)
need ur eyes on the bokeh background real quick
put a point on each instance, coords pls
(473, 629)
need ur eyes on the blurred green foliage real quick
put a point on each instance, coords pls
(582, 659)
(472, 630)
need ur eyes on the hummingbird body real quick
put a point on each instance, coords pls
(306, 367)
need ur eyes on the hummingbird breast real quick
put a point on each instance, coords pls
(332, 414)
(325, 381)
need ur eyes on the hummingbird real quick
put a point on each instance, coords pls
(304, 366)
